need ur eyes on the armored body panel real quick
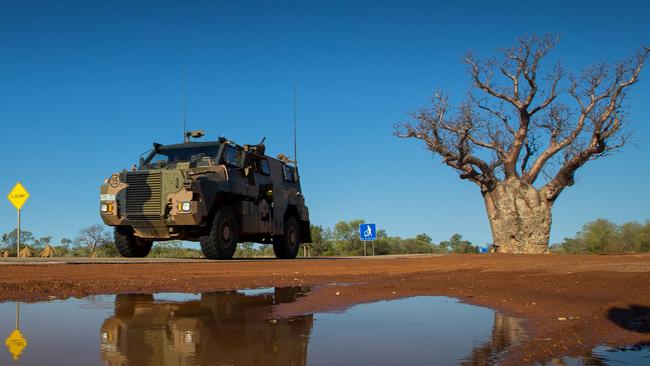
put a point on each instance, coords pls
(218, 193)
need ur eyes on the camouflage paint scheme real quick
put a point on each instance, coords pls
(262, 191)
(220, 328)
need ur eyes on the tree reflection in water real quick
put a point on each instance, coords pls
(506, 332)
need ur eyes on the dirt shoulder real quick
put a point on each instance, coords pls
(570, 303)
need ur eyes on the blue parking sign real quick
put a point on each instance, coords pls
(368, 232)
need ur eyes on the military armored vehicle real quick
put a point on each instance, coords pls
(216, 192)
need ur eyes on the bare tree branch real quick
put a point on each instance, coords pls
(486, 84)
(555, 80)
(451, 138)
(526, 128)
(494, 112)
(530, 146)
(521, 61)
(605, 119)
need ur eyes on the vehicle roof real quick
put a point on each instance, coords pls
(188, 144)
(208, 144)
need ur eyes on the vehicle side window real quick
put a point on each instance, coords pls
(264, 167)
(289, 175)
(234, 156)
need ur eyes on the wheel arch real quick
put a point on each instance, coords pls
(305, 226)
(221, 199)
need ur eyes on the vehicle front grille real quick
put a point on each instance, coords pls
(144, 196)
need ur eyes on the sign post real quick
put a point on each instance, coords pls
(18, 235)
(368, 232)
(17, 197)
(16, 342)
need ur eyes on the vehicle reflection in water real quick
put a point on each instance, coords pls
(234, 328)
(219, 328)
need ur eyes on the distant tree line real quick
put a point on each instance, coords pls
(341, 240)
(604, 236)
(600, 236)
(94, 240)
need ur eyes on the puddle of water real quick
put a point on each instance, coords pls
(413, 331)
(605, 356)
(234, 328)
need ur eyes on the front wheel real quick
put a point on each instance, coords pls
(221, 241)
(129, 245)
(286, 246)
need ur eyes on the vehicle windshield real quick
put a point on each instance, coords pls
(234, 156)
(170, 155)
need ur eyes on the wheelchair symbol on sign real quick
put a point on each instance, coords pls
(367, 232)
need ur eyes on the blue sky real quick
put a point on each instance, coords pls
(85, 87)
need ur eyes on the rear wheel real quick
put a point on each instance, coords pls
(129, 245)
(286, 246)
(221, 241)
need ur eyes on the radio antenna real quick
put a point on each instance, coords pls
(295, 123)
(185, 137)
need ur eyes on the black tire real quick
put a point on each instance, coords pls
(221, 241)
(287, 246)
(130, 246)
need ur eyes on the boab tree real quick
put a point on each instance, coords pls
(521, 136)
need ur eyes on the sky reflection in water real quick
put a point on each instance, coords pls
(234, 328)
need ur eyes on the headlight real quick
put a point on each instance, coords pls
(106, 207)
(185, 206)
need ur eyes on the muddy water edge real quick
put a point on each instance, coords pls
(241, 327)
(571, 303)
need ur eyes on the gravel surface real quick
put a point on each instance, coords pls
(570, 303)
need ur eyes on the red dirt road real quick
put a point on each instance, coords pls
(570, 303)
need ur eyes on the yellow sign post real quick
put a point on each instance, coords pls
(16, 343)
(17, 197)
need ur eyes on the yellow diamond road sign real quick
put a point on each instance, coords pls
(18, 196)
(16, 343)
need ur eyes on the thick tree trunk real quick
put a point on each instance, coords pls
(520, 217)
